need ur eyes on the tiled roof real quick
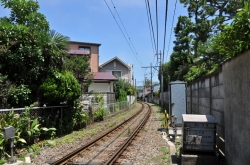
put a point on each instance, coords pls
(104, 76)
(87, 43)
(115, 58)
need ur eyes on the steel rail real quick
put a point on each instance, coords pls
(65, 159)
(120, 150)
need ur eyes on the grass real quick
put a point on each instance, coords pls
(163, 159)
(178, 145)
(91, 130)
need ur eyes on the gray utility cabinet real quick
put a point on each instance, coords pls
(199, 133)
(177, 101)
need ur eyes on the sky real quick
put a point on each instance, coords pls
(122, 31)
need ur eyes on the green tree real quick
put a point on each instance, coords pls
(182, 56)
(55, 51)
(166, 77)
(236, 37)
(80, 66)
(23, 36)
(60, 87)
(6, 89)
(122, 89)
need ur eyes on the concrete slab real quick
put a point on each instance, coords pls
(199, 159)
(27, 159)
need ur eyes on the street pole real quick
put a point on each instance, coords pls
(151, 84)
(162, 99)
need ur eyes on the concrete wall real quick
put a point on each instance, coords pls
(101, 87)
(206, 96)
(130, 99)
(236, 74)
(225, 95)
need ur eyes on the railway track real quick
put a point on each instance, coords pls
(107, 148)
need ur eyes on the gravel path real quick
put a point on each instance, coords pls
(150, 147)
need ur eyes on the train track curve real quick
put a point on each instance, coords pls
(114, 138)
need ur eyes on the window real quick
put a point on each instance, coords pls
(117, 73)
(86, 49)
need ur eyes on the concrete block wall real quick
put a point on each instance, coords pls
(225, 95)
(206, 96)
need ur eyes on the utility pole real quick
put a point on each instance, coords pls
(144, 87)
(162, 95)
(151, 75)
(160, 59)
(135, 91)
(152, 90)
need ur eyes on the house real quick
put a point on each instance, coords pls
(86, 48)
(102, 82)
(119, 69)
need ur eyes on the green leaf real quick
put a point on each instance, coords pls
(21, 140)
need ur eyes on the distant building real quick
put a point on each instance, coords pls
(86, 49)
(119, 69)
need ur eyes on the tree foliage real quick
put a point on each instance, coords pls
(60, 87)
(80, 66)
(31, 55)
(204, 39)
(123, 88)
(235, 37)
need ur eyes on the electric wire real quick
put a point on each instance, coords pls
(125, 30)
(149, 28)
(156, 10)
(166, 17)
(152, 28)
(123, 33)
(171, 28)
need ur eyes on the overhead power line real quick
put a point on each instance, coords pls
(151, 24)
(156, 26)
(171, 29)
(125, 30)
(140, 63)
(166, 17)
(150, 28)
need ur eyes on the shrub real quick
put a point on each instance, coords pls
(60, 87)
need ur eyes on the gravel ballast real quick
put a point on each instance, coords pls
(148, 148)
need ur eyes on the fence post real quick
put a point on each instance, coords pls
(61, 118)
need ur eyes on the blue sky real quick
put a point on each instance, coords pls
(92, 21)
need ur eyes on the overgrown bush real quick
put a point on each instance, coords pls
(100, 114)
(60, 87)
(20, 96)
(27, 130)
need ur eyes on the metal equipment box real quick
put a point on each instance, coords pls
(177, 102)
(199, 133)
(8, 132)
